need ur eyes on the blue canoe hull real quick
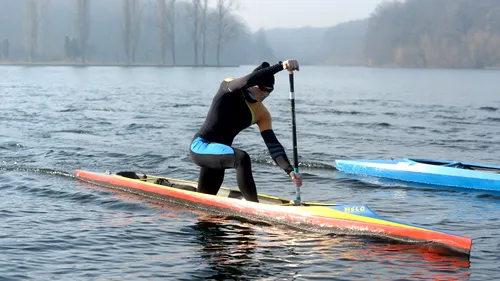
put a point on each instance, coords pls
(428, 171)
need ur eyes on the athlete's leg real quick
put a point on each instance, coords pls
(243, 165)
(216, 156)
(210, 180)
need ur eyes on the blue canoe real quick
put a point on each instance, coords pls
(427, 171)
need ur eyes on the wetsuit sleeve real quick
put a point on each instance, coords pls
(277, 151)
(254, 78)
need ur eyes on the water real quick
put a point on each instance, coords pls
(55, 120)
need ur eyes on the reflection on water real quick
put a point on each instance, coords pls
(408, 261)
(227, 249)
(234, 249)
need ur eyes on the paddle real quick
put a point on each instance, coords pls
(294, 132)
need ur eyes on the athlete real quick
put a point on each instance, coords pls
(236, 106)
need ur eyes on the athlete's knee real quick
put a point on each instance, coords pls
(242, 158)
(195, 158)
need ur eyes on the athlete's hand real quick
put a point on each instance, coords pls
(297, 179)
(291, 65)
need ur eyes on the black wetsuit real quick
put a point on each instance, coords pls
(228, 115)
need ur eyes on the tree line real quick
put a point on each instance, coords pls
(403, 33)
(434, 33)
(193, 32)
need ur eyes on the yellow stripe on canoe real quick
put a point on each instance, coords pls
(336, 214)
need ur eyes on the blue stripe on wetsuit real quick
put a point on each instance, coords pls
(202, 146)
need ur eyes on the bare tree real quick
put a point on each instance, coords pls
(31, 27)
(204, 24)
(126, 27)
(166, 28)
(226, 24)
(162, 28)
(43, 34)
(83, 27)
(194, 13)
(4, 49)
(131, 27)
(171, 24)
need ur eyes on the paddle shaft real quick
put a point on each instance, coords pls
(294, 133)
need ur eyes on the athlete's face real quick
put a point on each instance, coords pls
(260, 93)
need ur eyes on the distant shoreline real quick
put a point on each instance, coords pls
(158, 65)
(92, 64)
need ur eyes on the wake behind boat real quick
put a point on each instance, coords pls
(348, 219)
(428, 171)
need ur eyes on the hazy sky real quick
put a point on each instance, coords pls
(299, 13)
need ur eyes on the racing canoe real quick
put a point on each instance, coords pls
(342, 219)
(428, 171)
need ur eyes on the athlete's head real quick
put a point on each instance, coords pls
(265, 87)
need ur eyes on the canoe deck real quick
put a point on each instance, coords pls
(192, 186)
(459, 165)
